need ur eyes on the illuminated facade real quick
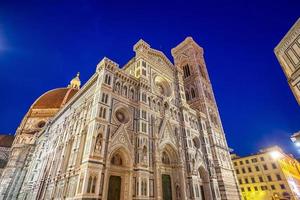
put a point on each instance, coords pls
(269, 174)
(288, 55)
(148, 130)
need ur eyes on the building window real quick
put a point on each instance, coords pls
(144, 127)
(246, 180)
(249, 189)
(263, 187)
(243, 170)
(92, 184)
(187, 96)
(269, 178)
(247, 161)
(254, 160)
(144, 187)
(253, 180)
(262, 159)
(249, 169)
(243, 190)
(273, 187)
(144, 64)
(257, 168)
(144, 114)
(193, 93)
(282, 186)
(104, 98)
(235, 164)
(261, 179)
(255, 188)
(144, 72)
(102, 112)
(241, 162)
(265, 167)
(240, 181)
(107, 79)
(278, 177)
(186, 71)
(237, 171)
(274, 166)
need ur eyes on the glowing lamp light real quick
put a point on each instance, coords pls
(276, 155)
(297, 144)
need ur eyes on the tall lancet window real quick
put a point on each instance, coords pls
(186, 71)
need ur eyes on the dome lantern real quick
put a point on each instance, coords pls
(75, 82)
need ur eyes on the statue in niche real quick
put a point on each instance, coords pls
(98, 144)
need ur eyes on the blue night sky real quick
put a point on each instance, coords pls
(43, 45)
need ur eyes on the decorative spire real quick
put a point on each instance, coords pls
(75, 82)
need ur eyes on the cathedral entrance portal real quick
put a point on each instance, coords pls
(114, 188)
(166, 185)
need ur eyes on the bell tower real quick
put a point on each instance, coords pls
(188, 58)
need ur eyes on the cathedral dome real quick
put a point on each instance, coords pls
(54, 98)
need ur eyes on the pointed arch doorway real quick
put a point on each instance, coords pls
(166, 187)
(118, 185)
(205, 190)
(114, 188)
(170, 174)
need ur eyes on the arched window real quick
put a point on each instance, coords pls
(132, 93)
(125, 90)
(94, 184)
(89, 184)
(165, 158)
(116, 160)
(187, 96)
(107, 79)
(193, 93)
(144, 187)
(144, 154)
(186, 71)
(118, 85)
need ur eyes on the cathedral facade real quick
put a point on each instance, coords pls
(148, 130)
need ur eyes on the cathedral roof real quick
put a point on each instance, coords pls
(54, 98)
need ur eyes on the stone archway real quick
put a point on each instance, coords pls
(118, 175)
(170, 174)
(204, 184)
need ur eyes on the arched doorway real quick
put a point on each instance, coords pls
(119, 170)
(204, 184)
(170, 174)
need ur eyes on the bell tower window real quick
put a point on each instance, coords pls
(193, 94)
(186, 71)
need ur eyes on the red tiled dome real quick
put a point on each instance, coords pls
(54, 98)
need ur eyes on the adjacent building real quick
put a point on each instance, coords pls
(269, 174)
(288, 55)
(150, 130)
